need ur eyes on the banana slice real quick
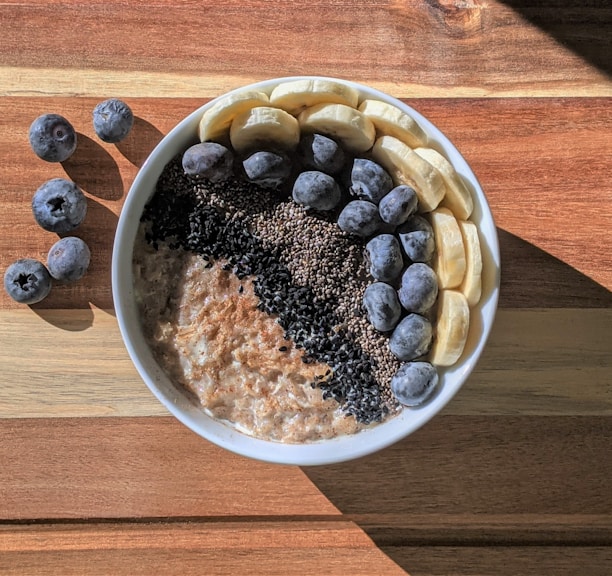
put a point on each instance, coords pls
(391, 121)
(449, 259)
(343, 123)
(407, 167)
(216, 121)
(452, 326)
(457, 198)
(471, 287)
(264, 126)
(298, 95)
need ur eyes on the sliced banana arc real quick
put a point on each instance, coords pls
(449, 261)
(216, 121)
(391, 121)
(297, 95)
(252, 120)
(343, 123)
(263, 127)
(407, 167)
(452, 326)
(471, 287)
(457, 197)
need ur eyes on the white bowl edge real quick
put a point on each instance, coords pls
(332, 451)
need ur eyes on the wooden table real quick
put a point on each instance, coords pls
(513, 478)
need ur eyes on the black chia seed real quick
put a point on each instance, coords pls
(241, 225)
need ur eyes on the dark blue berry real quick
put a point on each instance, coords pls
(385, 257)
(419, 288)
(414, 382)
(411, 338)
(319, 152)
(52, 138)
(397, 206)
(68, 259)
(208, 160)
(360, 217)
(112, 120)
(382, 306)
(268, 169)
(417, 238)
(59, 205)
(317, 190)
(27, 281)
(369, 180)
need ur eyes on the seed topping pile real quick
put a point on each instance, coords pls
(240, 225)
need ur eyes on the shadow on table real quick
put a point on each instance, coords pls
(532, 278)
(383, 492)
(98, 231)
(140, 142)
(94, 170)
(582, 27)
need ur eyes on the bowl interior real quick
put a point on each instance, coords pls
(327, 451)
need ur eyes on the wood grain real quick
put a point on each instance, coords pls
(438, 48)
(512, 478)
(267, 548)
(455, 472)
(547, 262)
(139, 467)
(503, 560)
(476, 490)
(537, 362)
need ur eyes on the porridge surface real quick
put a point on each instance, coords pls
(208, 334)
(253, 304)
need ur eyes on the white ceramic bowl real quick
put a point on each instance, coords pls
(327, 451)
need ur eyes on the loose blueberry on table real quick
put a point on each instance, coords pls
(112, 120)
(68, 259)
(27, 281)
(59, 205)
(52, 138)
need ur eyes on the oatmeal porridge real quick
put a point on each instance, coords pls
(306, 269)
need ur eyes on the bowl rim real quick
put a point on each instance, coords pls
(331, 451)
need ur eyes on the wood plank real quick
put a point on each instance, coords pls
(477, 466)
(520, 529)
(139, 467)
(457, 470)
(545, 166)
(544, 265)
(282, 548)
(503, 560)
(418, 48)
(537, 362)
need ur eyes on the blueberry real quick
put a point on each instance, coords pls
(360, 217)
(385, 257)
(317, 190)
(208, 160)
(268, 169)
(382, 306)
(419, 288)
(59, 205)
(417, 238)
(414, 383)
(27, 281)
(398, 205)
(319, 152)
(411, 338)
(369, 180)
(52, 138)
(68, 259)
(112, 120)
